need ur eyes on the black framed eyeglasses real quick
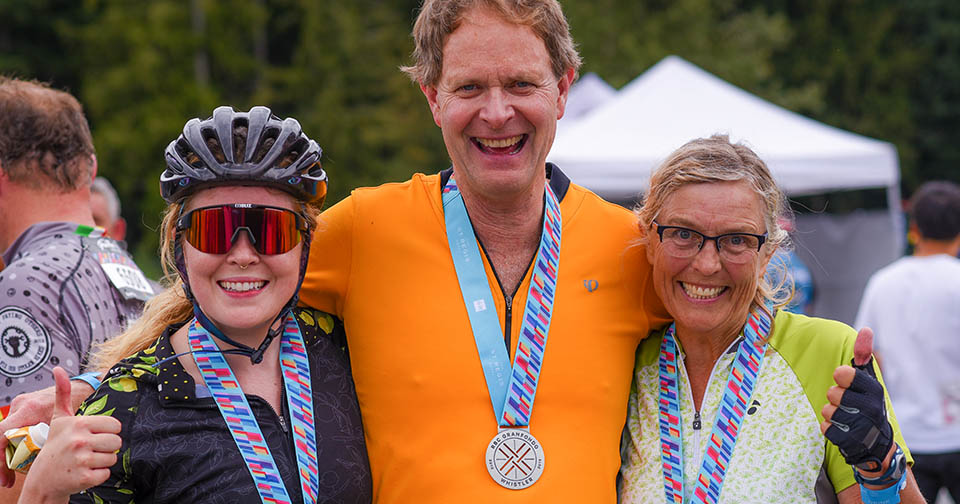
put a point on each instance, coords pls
(684, 242)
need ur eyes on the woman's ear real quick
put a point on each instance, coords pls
(766, 254)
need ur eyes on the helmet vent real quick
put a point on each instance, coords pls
(267, 140)
(240, 139)
(315, 169)
(213, 145)
(293, 150)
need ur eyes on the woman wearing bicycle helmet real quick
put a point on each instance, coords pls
(230, 392)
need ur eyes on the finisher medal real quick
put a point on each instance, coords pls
(514, 457)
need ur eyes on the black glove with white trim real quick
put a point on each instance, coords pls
(860, 427)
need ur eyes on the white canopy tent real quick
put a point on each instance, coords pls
(589, 92)
(613, 148)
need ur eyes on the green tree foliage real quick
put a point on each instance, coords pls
(934, 90)
(890, 70)
(31, 42)
(344, 85)
(855, 56)
(333, 65)
(619, 40)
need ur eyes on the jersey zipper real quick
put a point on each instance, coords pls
(697, 423)
(508, 298)
(279, 416)
(508, 322)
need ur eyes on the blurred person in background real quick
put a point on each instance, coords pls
(798, 278)
(105, 205)
(65, 286)
(913, 306)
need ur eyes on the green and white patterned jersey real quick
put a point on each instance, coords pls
(780, 454)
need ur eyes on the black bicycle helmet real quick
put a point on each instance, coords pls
(277, 154)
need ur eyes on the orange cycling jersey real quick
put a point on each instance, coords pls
(380, 261)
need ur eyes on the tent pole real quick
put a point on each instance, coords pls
(895, 205)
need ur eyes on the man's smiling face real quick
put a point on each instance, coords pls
(497, 103)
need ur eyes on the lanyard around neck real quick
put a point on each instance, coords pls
(733, 405)
(512, 388)
(243, 425)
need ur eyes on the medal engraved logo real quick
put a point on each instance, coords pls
(515, 459)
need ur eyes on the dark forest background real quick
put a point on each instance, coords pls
(885, 69)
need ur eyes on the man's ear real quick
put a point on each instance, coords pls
(118, 230)
(93, 167)
(431, 93)
(647, 239)
(4, 180)
(566, 80)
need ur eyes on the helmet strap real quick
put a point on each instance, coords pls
(256, 354)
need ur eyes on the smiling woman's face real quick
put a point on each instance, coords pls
(707, 295)
(242, 291)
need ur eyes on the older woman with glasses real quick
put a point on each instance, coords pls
(727, 403)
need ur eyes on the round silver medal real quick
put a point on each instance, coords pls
(515, 458)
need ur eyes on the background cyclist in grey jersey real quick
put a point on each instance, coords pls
(64, 286)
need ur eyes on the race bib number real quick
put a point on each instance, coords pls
(125, 278)
(122, 271)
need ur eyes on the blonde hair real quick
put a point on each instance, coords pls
(167, 308)
(716, 159)
(439, 18)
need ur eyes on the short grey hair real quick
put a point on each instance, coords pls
(103, 187)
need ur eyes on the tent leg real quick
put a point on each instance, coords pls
(895, 204)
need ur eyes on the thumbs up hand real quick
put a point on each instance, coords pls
(78, 453)
(855, 419)
(863, 351)
(61, 403)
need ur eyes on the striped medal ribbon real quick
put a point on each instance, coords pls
(517, 457)
(733, 406)
(241, 422)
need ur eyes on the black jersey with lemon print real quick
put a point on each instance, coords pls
(176, 446)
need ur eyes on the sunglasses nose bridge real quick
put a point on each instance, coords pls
(236, 234)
